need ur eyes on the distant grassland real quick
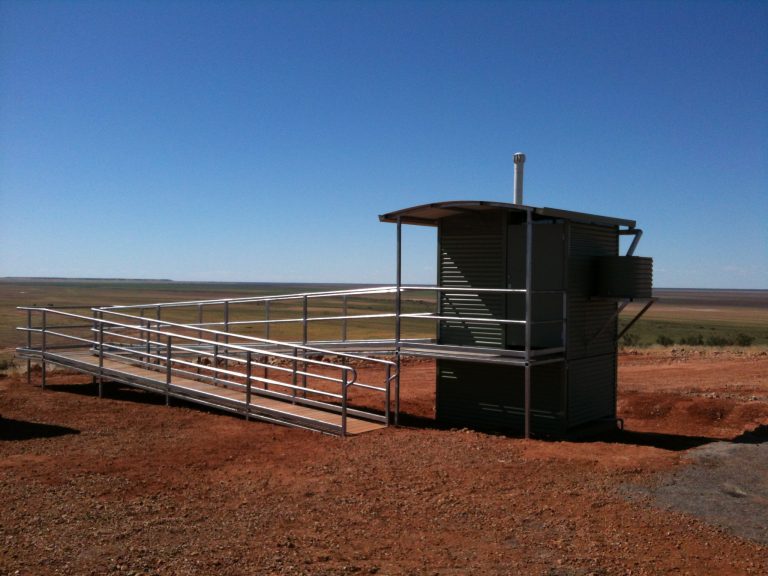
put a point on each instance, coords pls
(679, 314)
(684, 315)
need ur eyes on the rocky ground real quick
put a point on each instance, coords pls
(126, 485)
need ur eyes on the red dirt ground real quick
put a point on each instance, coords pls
(125, 485)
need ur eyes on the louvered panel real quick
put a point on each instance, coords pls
(591, 389)
(488, 396)
(472, 258)
(587, 316)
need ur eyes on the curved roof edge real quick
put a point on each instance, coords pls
(430, 214)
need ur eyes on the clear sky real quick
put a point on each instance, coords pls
(259, 141)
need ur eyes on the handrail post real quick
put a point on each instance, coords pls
(386, 394)
(304, 335)
(157, 317)
(200, 320)
(168, 344)
(293, 377)
(344, 403)
(226, 329)
(216, 358)
(101, 353)
(248, 370)
(42, 351)
(147, 345)
(345, 312)
(266, 319)
(29, 346)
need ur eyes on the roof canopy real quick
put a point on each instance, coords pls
(430, 214)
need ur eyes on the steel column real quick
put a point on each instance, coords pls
(157, 339)
(266, 318)
(344, 403)
(42, 377)
(29, 345)
(345, 312)
(101, 354)
(398, 308)
(528, 316)
(226, 336)
(169, 343)
(248, 369)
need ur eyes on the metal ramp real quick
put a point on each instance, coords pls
(273, 381)
(285, 358)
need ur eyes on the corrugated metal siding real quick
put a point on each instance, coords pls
(591, 360)
(591, 389)
(472, 255)
(586, 317)
(625, 276)
(490, 397)
(548, 263)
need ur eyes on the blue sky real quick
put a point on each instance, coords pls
(259, 141)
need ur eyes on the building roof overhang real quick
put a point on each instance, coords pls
(431, 214)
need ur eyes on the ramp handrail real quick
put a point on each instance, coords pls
(146, 352)
(304, 318)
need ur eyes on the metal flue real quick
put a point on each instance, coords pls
(519, 161)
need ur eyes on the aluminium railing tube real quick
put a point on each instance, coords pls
(344, 404)
(42, 349)
(256, 340)
(237, 347)
(247, 299)
(226, 327)
(101, 357)
(349, 373)
(168, 370)
(29, 346)
(345, 311)
(157, 339)
(248, 383)
(194, 351)
(348, 379)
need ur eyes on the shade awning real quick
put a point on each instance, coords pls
(431, 214)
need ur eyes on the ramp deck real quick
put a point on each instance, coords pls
(260, 407)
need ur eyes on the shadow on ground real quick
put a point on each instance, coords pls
(111, 390)
(663, 441)
(23, 430)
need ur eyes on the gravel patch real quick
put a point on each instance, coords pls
(723, 483)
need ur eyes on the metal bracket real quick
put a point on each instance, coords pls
(637, 317)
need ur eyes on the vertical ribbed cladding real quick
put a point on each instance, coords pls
(586, 316)
(591, 389)
(591, 360)
(472, 249)
(490, 397)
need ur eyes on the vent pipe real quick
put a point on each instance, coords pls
(519, 161)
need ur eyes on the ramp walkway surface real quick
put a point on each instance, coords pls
(259, 406)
